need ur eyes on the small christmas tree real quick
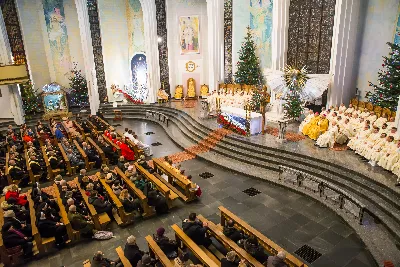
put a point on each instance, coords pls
(295, 81)
(78, 84)
(248, 67)
(30, 98)
(293, 105)
(386, 93)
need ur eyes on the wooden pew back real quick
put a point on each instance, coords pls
(167, 193)
(115, 147)
(92, 210)
(70, 169)
(184, 241)
(148, 211)
(228, 243)
(156, 252)
(124, 217)
(125, 262)
(271, 247)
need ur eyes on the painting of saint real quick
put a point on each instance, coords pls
(189, 33)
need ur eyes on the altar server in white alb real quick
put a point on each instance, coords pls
(391, 156)
(134, 138)
(327, 139)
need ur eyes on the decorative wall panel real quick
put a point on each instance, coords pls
(228, 40)
(14, 34)
(310, 34)
(97, 48)
(161, 16)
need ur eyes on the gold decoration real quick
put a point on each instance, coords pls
(190, 66)
(295, 75)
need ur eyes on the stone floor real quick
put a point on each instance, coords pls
(288, 218)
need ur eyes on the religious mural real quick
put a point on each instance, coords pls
(258, 15)
(189, 33)
(397, 32)
(137, 52)
(58, 39)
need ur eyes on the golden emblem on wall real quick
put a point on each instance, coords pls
(190, 66)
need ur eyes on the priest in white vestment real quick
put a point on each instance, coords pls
(327, 139)
(392, 155)
(380, 121)
(306, 120)
(361, 136)
(342, 108)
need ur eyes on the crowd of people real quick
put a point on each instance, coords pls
(375, 139)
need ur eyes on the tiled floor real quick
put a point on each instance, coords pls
(289, 219)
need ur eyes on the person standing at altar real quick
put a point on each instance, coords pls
(320, 128)
(313, 122)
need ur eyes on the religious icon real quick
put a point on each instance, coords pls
(189, 32)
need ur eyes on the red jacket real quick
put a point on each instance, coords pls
(21, 200)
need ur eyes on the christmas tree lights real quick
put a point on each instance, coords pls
(79, 91)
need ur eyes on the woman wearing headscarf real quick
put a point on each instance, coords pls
(169, 247)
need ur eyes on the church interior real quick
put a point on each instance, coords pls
(176, 133)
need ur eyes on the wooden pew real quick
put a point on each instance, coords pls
(43, 244)
(86, 263)
(125, 262)
(99, 150)
(72, 234)
(200, 253)
(52, 173)
(122, 217)
(156, 252)
(88, 165)
(32, 177)
(147, 210)
(138, 152)
(66, 129)
(70, 170)
(176, 177)
(271, 247)
(167, 193)
(217, 233)
(94, 128)
(106, 124)
(116, 148)
(79, 128)
(100, 220)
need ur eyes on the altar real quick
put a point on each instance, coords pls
(235, 119)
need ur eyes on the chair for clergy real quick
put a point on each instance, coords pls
(117, 115)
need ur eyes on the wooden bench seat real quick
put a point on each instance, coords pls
(271, 247)
(147, 210)
(174, 189)
(169, 195)
(217, 233)
(104, 160)
(112, 144)
(100, 220)
(184, 241)
(156, 252)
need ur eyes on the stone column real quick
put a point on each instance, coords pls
(280, 26)
(215, 15)
(150, 35)
(6, 58)
(87, 52)
(343, 56)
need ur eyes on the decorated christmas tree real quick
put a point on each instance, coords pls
(295, 81)
(386, 93)
(30, 98)
(248, 67)
(79, 90)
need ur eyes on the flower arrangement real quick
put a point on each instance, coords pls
(233, 123)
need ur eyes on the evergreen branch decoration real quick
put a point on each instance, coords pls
(386, 93)
(295, 75)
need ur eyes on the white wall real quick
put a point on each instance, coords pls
(5, 102)
(34, 40)
(178, 74)
(379, 28)
(114, 37)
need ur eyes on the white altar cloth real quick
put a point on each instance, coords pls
(255, 122)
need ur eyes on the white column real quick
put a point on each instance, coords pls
(343, 56)
(215, 15)
(12, 90)
(88, 58)
(397, 122)
(152, 56)
(280, 27)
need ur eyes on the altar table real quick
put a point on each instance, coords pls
(255, 122)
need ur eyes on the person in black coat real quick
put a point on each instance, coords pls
(196, 230)
(99, 204)
(55, 163)
(231, 232)
(158, 201)
(132, 251)
(169, 247)
(49, 227)
(230, 260)
(9, 217)
(13, 238)
(254, 249)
